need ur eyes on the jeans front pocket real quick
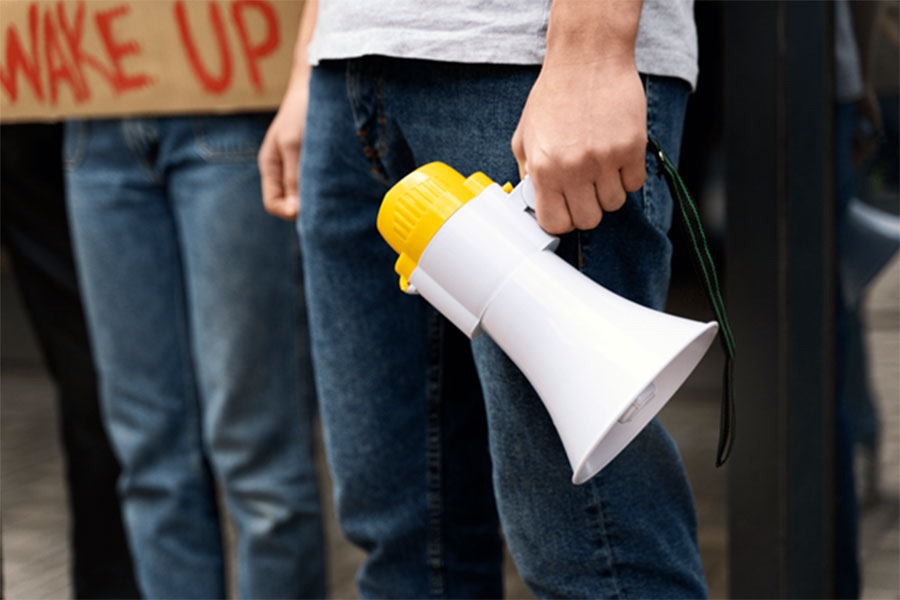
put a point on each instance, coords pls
(230, 137)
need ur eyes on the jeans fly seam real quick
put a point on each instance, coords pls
(434, 456)
(363, 130)
(381, 142)
(140, 138)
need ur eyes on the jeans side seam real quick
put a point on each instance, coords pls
(648, 163)
(434, 494)
(599, 521)
(192, 398)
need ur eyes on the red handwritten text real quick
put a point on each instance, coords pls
(253, 51)
(56, 55)
(54, 52)
(17, 58)
(211, 83)
(268, 45)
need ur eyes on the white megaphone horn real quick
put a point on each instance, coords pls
(870, 238)
(602, 365)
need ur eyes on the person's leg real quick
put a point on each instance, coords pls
(402, 415)
(249, 344)
(131, 276)
(630, 531)
(35, 232)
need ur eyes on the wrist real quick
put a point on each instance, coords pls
(602, 33)
(298, 79)
(300, 74)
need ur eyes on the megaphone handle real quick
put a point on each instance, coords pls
(703, 262)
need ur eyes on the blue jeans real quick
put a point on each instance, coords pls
(197, 316)
(435, 441)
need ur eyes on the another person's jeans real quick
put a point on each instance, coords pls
(196, 313)
(423, 462)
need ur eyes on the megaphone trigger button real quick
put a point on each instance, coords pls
(507, 187)
(646, 395)
(628, 414)
(638, 403)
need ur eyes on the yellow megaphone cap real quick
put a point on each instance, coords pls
(418, 205)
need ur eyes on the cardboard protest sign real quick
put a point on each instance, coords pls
(68, 58)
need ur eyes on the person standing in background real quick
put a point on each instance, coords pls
(196, 312)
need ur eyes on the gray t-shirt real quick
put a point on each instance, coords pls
(490, 31)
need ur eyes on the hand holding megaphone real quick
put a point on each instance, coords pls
(602, 365)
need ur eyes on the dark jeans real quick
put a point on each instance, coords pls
(36, 235)
(428, 457)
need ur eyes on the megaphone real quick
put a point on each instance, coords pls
(602, 365)
(870, 238)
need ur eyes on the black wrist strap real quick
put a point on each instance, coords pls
(706, 270)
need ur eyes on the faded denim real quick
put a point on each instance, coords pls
(196, 313)
(435, 441)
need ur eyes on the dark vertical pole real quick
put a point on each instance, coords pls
(780, 276)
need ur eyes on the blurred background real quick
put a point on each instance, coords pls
(798, 187)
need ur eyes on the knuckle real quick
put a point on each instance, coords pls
(636, 144)
(516, 144)
(620, 151)
(554, 219)
(577, 161)
(558, 227)
(541, 168)
(542, 171)
(636, 182)
(586, 211)
(590, 221)
(289, 142)
(262, 157)
(602, 155)
(614, 201)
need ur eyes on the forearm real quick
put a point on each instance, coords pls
(305, 32)
(583, 131)
(592, 32)
(279, 155)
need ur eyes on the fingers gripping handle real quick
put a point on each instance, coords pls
(522, 196)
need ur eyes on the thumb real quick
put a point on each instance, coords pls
(518, 150)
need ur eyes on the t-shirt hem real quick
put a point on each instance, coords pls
(514, 51)
(662, 62)
(668, 63)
